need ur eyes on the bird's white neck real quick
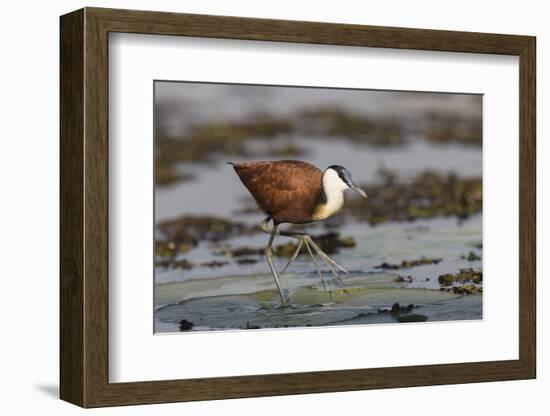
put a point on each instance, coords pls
(333, 188)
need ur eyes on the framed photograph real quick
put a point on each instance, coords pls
(255, 207)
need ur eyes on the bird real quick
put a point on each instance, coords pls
(296, 192)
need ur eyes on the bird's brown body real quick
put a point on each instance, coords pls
(289, 191)
(292, 191)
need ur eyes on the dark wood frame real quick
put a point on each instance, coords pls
(84, 208)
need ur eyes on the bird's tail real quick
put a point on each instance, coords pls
(231, 163)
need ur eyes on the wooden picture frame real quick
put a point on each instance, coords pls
(84, 207)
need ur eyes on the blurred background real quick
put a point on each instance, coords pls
(414, 248)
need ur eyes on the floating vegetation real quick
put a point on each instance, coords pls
(465, 275)
(214, 264)
(334, 121)
(446, 128)
(428, 195)
(247, 260)
(397, 309)
(181, 234)
(185, 325)
(403, 313)
(468, 289)
(466, 282)
(204, 141)
(407, 264)
(185, 264)
(167, 174)
(330, 243)
(171, 248)
(182, 264)
(241, 251)
(471, 257)
(230, 138)
(191, 229)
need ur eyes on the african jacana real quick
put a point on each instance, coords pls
(296, 192)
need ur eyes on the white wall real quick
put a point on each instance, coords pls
(29, 210)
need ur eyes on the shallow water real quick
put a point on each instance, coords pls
(366, 299)
(445, 238)
(237, 296)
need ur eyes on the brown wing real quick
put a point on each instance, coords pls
(287, 189)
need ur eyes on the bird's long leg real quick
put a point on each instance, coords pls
(293, 257)
(264, 225)
(305, 240)
(265, 228)
(320, 254)
(328, 261)
(326, 258)
(308, 241)
(269, 258)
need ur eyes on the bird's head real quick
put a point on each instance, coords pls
(338, 178)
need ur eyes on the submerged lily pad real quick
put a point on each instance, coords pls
(407, 264)
(253, 302)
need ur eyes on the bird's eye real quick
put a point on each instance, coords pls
(346, 176)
